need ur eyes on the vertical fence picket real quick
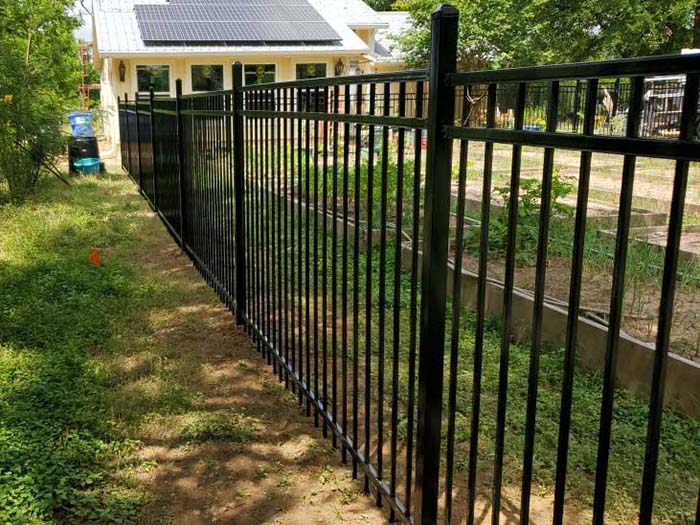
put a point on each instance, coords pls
(151, 106)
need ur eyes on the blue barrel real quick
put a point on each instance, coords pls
(81, 124)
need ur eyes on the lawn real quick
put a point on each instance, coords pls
(127, 396)
(66, 452)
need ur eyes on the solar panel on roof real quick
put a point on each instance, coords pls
(269, 21)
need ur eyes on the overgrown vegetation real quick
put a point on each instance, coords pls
(68, 331)
(529, 205)
(39, 79)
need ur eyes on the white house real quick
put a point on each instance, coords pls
(139, 43)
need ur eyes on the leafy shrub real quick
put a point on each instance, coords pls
(528, 218)
(39, 79)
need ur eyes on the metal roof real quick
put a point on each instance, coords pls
(252, 21)
(118, 33)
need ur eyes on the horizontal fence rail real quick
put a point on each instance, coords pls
(331, 216)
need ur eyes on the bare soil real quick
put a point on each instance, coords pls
(287, 474)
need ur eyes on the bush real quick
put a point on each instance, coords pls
(39, 80)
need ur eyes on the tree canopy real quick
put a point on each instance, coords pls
(381, 5)
(39, 79)
(506, 33)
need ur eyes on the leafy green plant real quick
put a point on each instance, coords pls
(39, 79)
(528, 218)
(214, 426)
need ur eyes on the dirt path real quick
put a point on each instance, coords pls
(242, 453)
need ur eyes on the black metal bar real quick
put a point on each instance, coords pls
(151, 97)
(634, 116)
(239, 192)
(300, 251)
(180, 162)
(456, 310)
(138, 140)
(358, 457)
(628, 67)
(513, 204)
(383, 189)
(398, 76)
(538, 308)
(284, 195)
(368, 278)
(657, 148)
(324, 307)
(344, 264)
(355, 277)
(697, 510)
(128, 141)
(688, 131)
(413, 308)
(307, 246)
(434, 272)
(376, 120)
(315, 261)
(574, 304)
(480, 310)
(398, 240)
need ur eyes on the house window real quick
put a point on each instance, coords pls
(311, 71)
(260, 73)
(207, 78)
(310, 102)
(156, 76)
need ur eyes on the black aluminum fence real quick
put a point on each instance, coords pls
(320, 212)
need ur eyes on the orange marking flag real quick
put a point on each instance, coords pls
(95, 257)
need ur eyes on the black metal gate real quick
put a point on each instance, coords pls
(320, 210)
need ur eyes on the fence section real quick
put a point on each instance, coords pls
(330, 215)
(589, 141)
(332, 177)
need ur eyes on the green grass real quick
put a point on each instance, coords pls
(66, 455)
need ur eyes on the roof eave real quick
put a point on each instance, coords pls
(369, 25)
(176, 53)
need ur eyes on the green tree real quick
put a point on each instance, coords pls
(506, 33)
(39, 80)
(381, 5)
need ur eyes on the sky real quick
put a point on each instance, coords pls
(85, 32)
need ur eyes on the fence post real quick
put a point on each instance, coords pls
(138, 139)
(126, 136)
(151, 96)
(441, 112)
(180, 162)
(239, 191)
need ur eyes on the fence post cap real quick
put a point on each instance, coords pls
(445, 10)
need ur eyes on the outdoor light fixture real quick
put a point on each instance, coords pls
(122, 71)
(339, 67)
